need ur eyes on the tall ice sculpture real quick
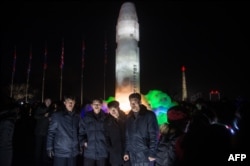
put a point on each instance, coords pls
(127, 55)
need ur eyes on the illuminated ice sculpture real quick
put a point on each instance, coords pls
(127, 55)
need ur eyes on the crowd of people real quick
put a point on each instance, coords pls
(59, 134)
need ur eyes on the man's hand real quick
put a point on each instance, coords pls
(50, 153)
(85, 144)
(126, 157)
(151, 158)
(81, 150)
(46, 114)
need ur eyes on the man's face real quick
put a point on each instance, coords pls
(96, 106)
(114, 112)
(47, 102)
(135, 104)
(69, 104)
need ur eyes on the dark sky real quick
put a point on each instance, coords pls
(210, 38)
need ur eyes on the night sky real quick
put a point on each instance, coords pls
(209, 38)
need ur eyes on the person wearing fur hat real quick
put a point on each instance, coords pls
(169, 151)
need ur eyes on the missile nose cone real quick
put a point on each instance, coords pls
(127, 24)
(127, 12)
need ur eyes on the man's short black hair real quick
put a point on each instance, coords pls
(135, 95)
(97, 99)
(69, 96)
(113, 103)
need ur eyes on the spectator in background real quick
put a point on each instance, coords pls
(8, 116)
(169, 150)
(208, 139)
(42, 115)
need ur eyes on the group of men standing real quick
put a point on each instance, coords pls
(103, 139)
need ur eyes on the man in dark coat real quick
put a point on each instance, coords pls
(92, 135)
(41, 116)
(62, 139)
(141, 133)
(8, 116)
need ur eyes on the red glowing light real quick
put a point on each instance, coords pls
(214, 92)
(183, 68)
